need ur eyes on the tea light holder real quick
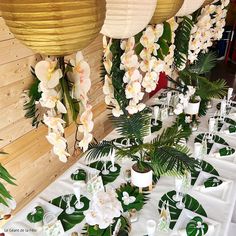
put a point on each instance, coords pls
(151, 227)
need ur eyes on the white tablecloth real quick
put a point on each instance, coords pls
(217, 210)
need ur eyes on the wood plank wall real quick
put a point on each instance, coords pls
(30, 159)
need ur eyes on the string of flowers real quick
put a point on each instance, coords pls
(208, 28)
(61, 89)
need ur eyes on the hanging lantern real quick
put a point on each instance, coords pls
(207, 2)
(189, 6)
(54, 27)
(165, 10)
(126, 18)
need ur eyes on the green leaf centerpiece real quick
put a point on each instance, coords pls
(99, 165)
(196, 227)
(226, 151)
(69, 221)
(36, 215)
(190, 203)
(130, 197)
(79, 175)
(232, 129)
(212, 182)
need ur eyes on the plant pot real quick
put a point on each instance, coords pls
(141, 179)
(192, 108)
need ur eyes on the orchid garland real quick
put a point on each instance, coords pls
(61, 89)
(208, 28)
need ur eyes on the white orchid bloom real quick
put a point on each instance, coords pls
(87, 138)
(128, 45)
(132, 75)
(61, 152)
(51, 99)
(106, 47)
(108, 65)
(47, 73)
(148, 37)
(191, 90)
(128, 199)
(54, 123)
(132, 89)
(129, 60)
(150, 81)
(157, 65)
(116, 111)
(56, 139)
(133, 107)
(179, 109)
(158, 31)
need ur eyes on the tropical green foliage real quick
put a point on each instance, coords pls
(164, 152)
(182, 38)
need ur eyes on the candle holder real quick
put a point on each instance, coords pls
(209, 104)
(105, 170)
(151, 227)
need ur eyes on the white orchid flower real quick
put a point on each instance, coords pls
(106, 47)
(47, 73)
(86, 120)
(179, 109)
(54, 123)
(128, 45)
(132, 89)
(117, 112)
(129, 60)
(134, 107)
(108, 65)
(132, 75)
(128, 199)
(87, 138)
(158, 31)
(51, 99)
(61, 153)
(157, 65)
(150, 81)
(56, 139)
(146, 54)
(148, 37)
(191, 90)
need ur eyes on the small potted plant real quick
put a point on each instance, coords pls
(36, 216)
(162, 155)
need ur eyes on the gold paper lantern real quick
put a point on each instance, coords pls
(207, 2)
(54, 27)
(126, 18)
(189, 6)
(165, 10)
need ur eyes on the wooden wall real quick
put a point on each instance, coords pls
(30, 159)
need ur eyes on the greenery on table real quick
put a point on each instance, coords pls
(216, 139)
(141, 198)
(212, 182)
(109, 178)
(79, 175)
(226, 151)
(190, 203)
(69, 221)
(89, 230)
(206, 167)
(164, 152)
(5, 176)
(196, 227)
(36, 215)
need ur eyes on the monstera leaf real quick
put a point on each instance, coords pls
(109, 177)
(69, 221)
(206, 167)
(216, 139)
(226, 151)
(36, 215)
(190, 203)
(79, 175)
(130, 197)
(155, 128)
(212, 182)
(196, 227)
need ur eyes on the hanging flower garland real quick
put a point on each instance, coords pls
(132, 66)
(208, 28)
(61, 89)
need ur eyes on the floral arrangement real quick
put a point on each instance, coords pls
(36, 215)
(104, 207)
(208, 28)
(59, 94)
(132, 66)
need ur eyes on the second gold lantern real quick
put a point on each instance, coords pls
(54, 27)
(166, 9)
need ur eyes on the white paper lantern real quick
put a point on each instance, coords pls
(189, 6)
(126, 18)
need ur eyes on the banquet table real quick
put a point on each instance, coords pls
(221, 211)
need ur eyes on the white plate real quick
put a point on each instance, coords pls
(20, 220)
(221, 191)
(186, 216)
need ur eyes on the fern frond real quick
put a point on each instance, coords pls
(205, 63)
